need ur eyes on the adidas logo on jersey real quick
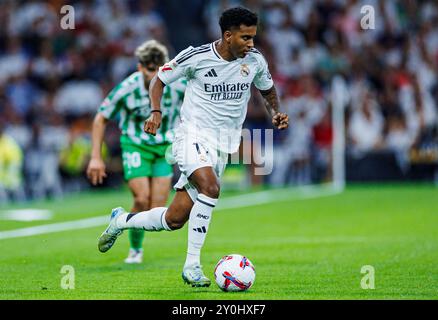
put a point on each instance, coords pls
(200, 230)
(211, 73)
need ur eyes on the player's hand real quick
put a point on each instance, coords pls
(96, 171)
(152, 123)
(280, 120)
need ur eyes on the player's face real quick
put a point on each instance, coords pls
(149, 71)
(242, 40)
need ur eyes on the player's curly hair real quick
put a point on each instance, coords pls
(152, 52)
(234, 17)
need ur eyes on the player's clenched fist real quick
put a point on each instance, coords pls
(280, 120)
(152, 123)
(96, 171)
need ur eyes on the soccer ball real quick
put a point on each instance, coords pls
(234, 273)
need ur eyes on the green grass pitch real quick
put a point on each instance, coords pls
(302, 248)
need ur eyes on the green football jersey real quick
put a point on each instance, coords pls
(129, 102)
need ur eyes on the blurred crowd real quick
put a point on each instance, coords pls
(52, 81)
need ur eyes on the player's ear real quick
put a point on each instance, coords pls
(227, 36)
(139, 67)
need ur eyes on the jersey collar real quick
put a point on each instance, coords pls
(213, 48)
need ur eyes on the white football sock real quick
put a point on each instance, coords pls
(199, 219)
(151, 220)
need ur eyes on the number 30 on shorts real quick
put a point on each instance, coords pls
(132, 159)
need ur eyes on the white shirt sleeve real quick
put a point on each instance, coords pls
(263, 79)
(178, 67)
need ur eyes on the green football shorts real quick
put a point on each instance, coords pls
(145, 161)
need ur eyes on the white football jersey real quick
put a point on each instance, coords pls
(217, 94)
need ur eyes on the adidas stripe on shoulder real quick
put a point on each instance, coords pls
(259, 57)
(192, 52)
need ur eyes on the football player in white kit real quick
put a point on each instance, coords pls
(219, 77)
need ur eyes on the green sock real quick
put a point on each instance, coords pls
(136, 237)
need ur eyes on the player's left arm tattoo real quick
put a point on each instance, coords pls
(272, 104)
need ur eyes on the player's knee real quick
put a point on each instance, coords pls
(175, 224)
(211, 190)
(142, 202)
(158, 201)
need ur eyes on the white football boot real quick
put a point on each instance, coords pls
(134, 256)
(195, 277)
(109, 236)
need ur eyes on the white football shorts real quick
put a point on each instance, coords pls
(191, 152)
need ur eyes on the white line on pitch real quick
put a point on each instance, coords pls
(240, 201)
(264, 197)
